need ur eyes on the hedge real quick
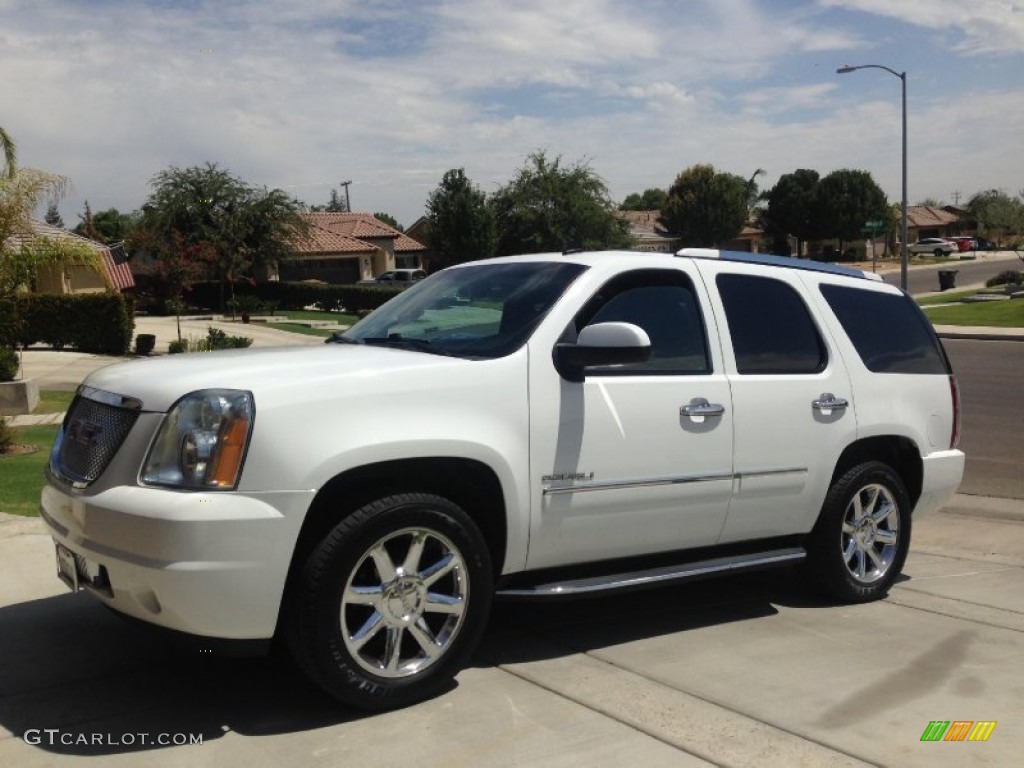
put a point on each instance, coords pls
(101, 323)
(295, 296)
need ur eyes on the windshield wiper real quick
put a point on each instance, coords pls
(339, 338)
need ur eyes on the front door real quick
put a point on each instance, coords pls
(637, 458)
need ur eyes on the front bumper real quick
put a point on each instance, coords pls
(211, 564)
(942, 473)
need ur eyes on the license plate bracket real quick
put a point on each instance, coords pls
(67, 567)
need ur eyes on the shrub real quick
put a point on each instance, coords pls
(295, 296)
(177, 346)
(8, 364)
(144, 343)
(7, 435)
(215, 339)
(101, 323)
(1004, 278)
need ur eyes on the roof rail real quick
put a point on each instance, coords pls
(772, 260)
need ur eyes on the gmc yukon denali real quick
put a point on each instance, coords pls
(571, 424)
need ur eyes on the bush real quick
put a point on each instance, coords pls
(8, 364)
(296, 296)
(101, 323)
(1004, 278)
(177, 346)
(144, 343)
(215, 339)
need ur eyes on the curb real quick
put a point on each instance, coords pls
(980, 336)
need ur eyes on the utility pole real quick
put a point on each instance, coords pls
(956, 198)
(348, 203)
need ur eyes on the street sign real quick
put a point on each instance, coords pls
(874, 224)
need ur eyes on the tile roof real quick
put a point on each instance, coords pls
(119, 274)
(341, 232)
(929, 216)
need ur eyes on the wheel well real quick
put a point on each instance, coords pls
(470, 484)
(900, 453)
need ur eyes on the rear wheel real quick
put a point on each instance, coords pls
(392, 602)
(939, 252)
(862, 537)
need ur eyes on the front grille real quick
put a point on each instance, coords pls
(90, 437)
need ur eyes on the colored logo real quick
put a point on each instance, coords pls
(958, 730)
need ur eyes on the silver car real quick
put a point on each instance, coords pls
(935, 245)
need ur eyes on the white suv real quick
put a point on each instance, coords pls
(571, 423)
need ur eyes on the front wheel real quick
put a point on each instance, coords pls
(939, 253)
(861, 540)
(392, 602)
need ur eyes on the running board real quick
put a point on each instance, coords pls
(656, 576)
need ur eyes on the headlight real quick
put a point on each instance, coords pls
(202, 441)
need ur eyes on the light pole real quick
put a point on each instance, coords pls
(903, 203)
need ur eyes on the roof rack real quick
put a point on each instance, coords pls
(771, 260)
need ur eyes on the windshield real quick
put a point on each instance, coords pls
(480, 311)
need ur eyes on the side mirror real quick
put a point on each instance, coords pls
(602, 344)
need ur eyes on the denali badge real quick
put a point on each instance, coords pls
(567, 476)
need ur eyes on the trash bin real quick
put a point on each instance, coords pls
(947, 279)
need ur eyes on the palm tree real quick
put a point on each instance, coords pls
(10, 152)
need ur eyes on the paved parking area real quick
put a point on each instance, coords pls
(753, 670)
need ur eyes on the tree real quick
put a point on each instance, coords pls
(844, 201)
(52, 216)
(390, 220)
(705, 207)
(551, 207)
(242, 228)
(461, 222)
(108, 227)
(997, 213)
(652, 199)
(335, 205)
(791, 207)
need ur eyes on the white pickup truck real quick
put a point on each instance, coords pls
(569, 423)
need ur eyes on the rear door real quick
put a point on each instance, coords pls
(793, 409)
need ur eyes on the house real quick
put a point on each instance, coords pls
(345, 247)
(650, 235)
(930, 221)
(78, 278)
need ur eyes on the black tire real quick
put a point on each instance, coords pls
(379, 626)
(860, 542)
(939, 253)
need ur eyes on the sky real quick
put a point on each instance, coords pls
(389, 95)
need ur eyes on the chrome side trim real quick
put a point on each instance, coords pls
(657, 576)
(653, 482)
(109, 398)
(771, 472)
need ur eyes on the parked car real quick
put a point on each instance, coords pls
(401, 278)
(571, 424)
(964, 243)
(935, 245)
(986, 245)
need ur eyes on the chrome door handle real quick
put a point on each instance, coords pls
(700, 406)
(829, 402)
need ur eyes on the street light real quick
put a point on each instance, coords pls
(903, 204)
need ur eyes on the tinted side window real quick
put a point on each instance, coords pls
(889, 332)
(771, 328)
(664, 305)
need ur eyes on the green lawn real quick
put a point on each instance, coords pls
(303, 329)
(23, 475)
(327, 317)
(53, 401)
(998, 314)
(945, 298)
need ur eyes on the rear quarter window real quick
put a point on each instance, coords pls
(889, 331)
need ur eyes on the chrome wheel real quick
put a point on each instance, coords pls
(870, 533)
(404, 603)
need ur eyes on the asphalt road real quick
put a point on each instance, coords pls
(991, 377)
(926, 279)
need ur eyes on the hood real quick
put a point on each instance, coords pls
(160, 382)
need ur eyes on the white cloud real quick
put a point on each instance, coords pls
(983, 26)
